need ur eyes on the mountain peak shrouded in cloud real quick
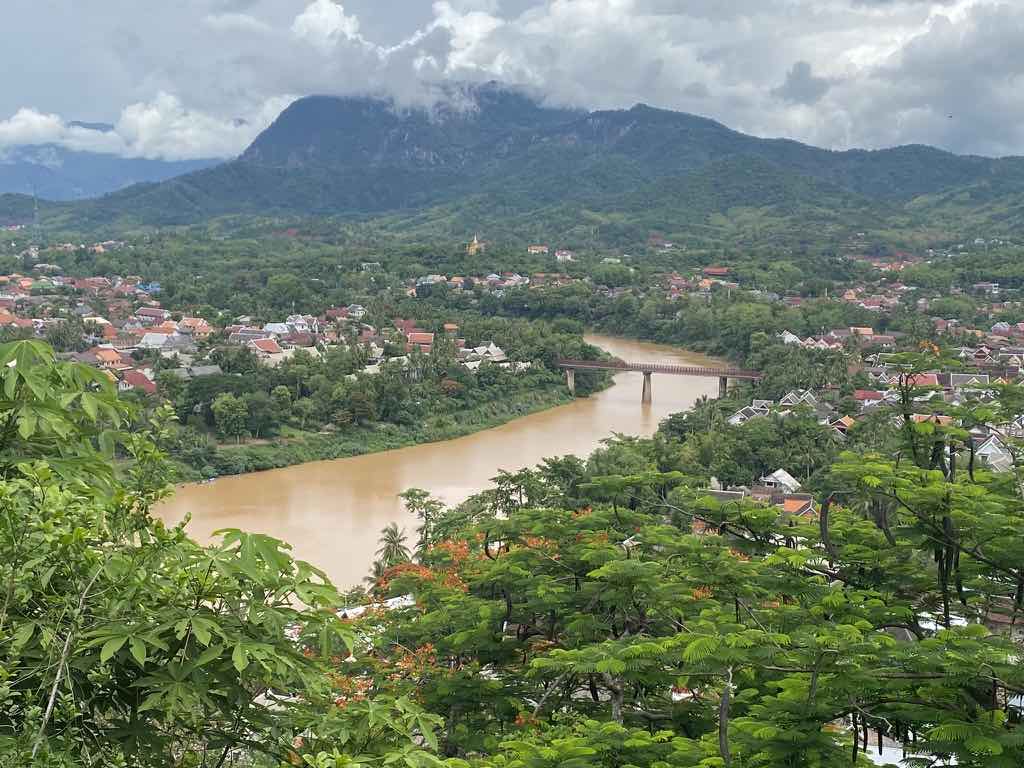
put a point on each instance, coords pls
(508, 163)
(835, 73)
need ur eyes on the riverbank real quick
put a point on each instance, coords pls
(303, 448)
(332, 512)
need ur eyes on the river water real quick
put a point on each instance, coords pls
(332, 511)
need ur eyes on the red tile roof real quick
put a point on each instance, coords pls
(923, 380)
(138, 380)
(867, 394)
(269, 346)
(421, 338)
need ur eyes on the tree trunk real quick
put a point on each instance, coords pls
(723, 721)
(617, 691)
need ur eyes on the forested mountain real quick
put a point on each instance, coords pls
(495, 159)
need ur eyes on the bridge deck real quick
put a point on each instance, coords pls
(673, 370)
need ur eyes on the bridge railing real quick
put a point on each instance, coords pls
(667, 368)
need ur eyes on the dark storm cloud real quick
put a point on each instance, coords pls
(175, 77)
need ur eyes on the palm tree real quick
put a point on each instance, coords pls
(372, 579)
(392, 546)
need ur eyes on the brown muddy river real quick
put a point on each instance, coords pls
(332, 511)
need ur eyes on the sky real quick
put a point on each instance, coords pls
(201, 78)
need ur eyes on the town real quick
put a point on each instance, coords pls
(152, 348)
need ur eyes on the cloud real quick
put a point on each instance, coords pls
(325, 24)
(801, 86)
(162, 129)
(235, 22)
(31, 127)
(837, 73)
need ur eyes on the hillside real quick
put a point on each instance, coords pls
(504, 162)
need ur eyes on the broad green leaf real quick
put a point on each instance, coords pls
(111, 647)
(240, 658)
(210, 654)
(138, 651)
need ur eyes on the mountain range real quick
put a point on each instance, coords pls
(505, 164)
(54, 172)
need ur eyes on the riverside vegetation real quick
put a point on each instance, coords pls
(569, 616)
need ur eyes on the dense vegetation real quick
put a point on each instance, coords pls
(567, 617)
(314, 408)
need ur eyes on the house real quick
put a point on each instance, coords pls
(923, 380)
(10, 321)
(993, 452)
(799, 505)
(489, 352)
(425, 342)
(134, 379)
(273, 360)
(789, 338)
(538, 250)
(196, 327)
(843, 425)
(563, 257)
(717, 271)
(152, 315)
(745, 414)
(799, 397)
(265, 347)
(957, 381)
(758, 408)
(107, 357)
(782, 480)
(868, 397)
(156, 341)
(242, 335)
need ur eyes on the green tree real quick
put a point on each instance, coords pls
(392, 546)
(231, 415)
(263, 415)
(282, 397)
(122, 642)
(426, 509)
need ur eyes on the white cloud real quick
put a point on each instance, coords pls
(325, 24)
(29, 126)
(235, 22)
(159, 129)
(164, 128)
(837, 73)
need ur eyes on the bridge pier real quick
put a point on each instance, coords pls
(724, 375)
